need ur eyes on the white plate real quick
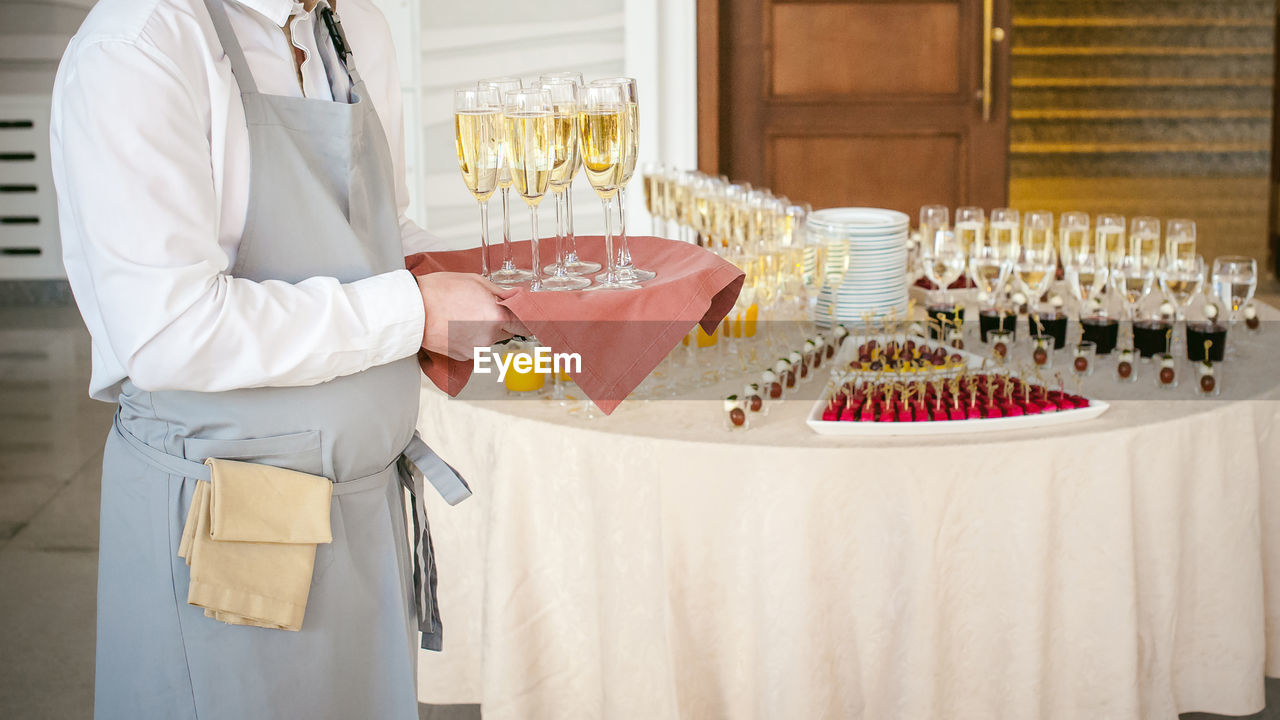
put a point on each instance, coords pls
(857, 217)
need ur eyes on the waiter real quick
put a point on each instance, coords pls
(231, 194)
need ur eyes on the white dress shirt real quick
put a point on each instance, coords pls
(151, 164)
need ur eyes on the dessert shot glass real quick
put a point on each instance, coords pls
(1126, 366)
(1166, 367)
(1083, 357)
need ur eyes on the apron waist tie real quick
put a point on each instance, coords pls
(416, 463)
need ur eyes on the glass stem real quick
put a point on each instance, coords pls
(611, 262)
(624, 253)
(507, 262)
(560, 271)
(535, 282)
(484, 238)
(572, 253)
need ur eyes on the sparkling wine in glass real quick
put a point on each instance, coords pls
(566, 158)
(627, 269)
(477, 135)
(989, 270)
(530, 132)
(574, 264)
(944, 260)
(601, 134)
(1144, 241)
(1073, 236)
(507, 273)
(1109, 240)
(1086, 275)
(652, 196)
(1181, 280)
(1005, 232)
(971, 226)
(1037, 230)
(1132, 279)
(1035, 268)
(1179, 240)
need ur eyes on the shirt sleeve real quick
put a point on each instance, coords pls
(140, 216)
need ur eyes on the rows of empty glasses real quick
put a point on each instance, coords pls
(1112, 271)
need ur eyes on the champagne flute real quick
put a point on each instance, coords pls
(1179, 240)
(1144, 241)
(1005, 230)
(1073, 237)
(932, 219)
(508, 273)
(705, 190)
(1109, 239)
(566, 158)
(653, 197)
(572, 262)
(477, 135)
(1037, 230)
(601, 134)
(970, 227)
(626, 268)
(530, 134)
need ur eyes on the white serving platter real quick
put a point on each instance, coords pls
(949, 427)
(937, 427)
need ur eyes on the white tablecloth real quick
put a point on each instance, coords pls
(652, 565)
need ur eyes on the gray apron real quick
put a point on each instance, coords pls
(322, 203)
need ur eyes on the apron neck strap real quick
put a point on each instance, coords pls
(231, 46)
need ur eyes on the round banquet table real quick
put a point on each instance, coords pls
(653, 565)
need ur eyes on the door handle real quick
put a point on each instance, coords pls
(990, 36)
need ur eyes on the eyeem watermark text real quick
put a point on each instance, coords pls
(541, 361)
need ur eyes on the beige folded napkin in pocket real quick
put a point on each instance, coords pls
(250, 539)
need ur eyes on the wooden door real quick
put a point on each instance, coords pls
(857, 102)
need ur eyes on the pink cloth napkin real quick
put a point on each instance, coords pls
(621, 335)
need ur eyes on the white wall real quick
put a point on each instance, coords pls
(466, 41)
(33, 34)
(459, 43)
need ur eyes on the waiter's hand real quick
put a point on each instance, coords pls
(463, 314)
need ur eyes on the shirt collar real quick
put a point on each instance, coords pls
(277, 11)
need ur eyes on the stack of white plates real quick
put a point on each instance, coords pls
(866, 268)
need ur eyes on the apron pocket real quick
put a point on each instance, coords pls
(295, 451)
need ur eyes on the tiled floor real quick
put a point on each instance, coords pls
(51, 440)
